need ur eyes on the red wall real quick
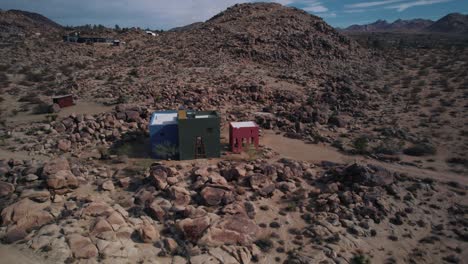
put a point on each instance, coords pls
(248, 135)
(64, 101)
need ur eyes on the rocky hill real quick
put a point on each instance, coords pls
(16, 22)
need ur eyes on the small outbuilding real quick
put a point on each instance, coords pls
(63, 100)
(164, 137)
(199, 134)
(242, 135)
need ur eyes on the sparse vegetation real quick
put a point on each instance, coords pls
(420, 149)
(360, 144)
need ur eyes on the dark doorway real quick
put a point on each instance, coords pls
(199, 148)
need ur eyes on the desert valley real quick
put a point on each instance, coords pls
(362, 155)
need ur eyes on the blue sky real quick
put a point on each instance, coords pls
(163, 14)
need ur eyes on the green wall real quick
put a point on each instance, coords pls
(206, 128)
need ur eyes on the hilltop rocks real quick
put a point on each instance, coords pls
(216, 195)
(6, 188)
(193, 229)
(58, 175)
(367, 175)
(262, 184)
(148, 232)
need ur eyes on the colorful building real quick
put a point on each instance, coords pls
(164, 135)
(199, 134)
(242, 135)
(185, 134)
(63, 100)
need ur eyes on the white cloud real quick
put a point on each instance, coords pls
(403, 6)
(329, 15)
(372, 4)
(351, 11)
(315, 7)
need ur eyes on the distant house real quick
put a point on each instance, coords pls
(151, 33)
(76, 38)
(63, 100)
(242, 135)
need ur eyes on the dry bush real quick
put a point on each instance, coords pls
(420, 149)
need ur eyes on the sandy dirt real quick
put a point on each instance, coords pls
(10, 254)
(298, 150)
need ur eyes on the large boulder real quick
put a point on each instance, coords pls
(216, 195)
(62, 179)
(193, 229)
(58, 175)
(81, 246)
(231, 230)
(262, 184)
(369, 175)
(180, 196)
(148, 233)
(54, 166)
(23, 216)
(6, 188)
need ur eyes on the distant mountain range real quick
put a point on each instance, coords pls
(454, 23)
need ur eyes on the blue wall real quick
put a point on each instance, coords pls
(160, 134)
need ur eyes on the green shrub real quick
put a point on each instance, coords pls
(360, 144)
(420, 149)
(389, 147)
(360, 259)
(265, 244)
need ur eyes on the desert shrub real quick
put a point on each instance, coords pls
(423, 72)
(421, 83)
(3, 77)
(123, 99)
(458, 160)
(420, 149)
(446, 102)
(104, 152)
(360, 259)
(80, 65)
(360, 144)
(133, 72)
(51, 117)
(433, 94)
(4, 67)
(338, 143)
(389, 147)
(265, 244)
(34, 77)
(166, 150)
(252, 152)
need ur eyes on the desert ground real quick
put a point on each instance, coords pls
(362, 157)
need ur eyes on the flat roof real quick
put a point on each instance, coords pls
(164, 118)
(243, 124)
